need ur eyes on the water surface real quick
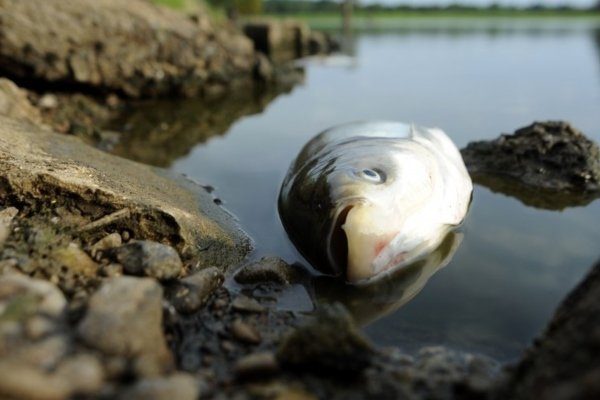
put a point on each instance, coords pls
(515, 262)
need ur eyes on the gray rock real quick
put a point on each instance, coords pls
(132, 47)
(247, 304)
(552, 157)
(178, 386)
(267, 269)
(124, 317)
(329, 342)
(563, 363)
(192, 292)
(256, 365)
(148, 258)
(162, 207)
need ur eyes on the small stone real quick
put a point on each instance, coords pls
(83, 372)
(22, 296)
(180, 386)
(227, 346)
(125, 235)
(38, 326)
(330, 343)
(6, 217)
(48, 102)
(256, 365)
(244, 332)
(124, 317)
(75, 259)
(148, 258)
(192, 292)
(267, 269)
(247, 304)
(111, 270)
(108, 242)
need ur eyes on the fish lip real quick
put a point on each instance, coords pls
(337, 241)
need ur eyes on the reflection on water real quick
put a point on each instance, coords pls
(533, 197)
(518, 258)
(161, 131)
(370, 302)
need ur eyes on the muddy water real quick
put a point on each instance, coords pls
(515, 262)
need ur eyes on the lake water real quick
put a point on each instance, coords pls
(515, 262)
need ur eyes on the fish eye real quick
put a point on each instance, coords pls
(372, 175)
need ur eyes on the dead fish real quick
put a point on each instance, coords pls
(364, 199)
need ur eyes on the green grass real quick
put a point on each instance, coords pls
(363, 20)
(176, 4)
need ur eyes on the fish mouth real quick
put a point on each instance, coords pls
(338, 243)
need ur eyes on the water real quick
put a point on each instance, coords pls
(515, 262)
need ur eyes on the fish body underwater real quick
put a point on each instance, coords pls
(364, 199)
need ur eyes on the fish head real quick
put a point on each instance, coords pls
(382, 212)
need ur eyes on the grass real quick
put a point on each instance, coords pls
(386, 20)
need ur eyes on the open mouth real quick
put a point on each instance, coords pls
(338, 243)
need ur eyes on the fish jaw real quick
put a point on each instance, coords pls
(366, 240)
(379, 241)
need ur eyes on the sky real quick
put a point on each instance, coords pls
(575, 3)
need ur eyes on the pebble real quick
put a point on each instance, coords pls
(256, 365)
(247, 304)
(124, 317)
(191, 293)
(75, 259)
(179, 386)
(245, 333)
(6, 217)
(48, 102)
(108, 242)
(148, 258)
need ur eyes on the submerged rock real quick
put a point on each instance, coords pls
(133, 47)
(330, 343)
(563, 363)
(150, 203)
(124, 317)
(267, 269)
(548, 156)
(148, 258)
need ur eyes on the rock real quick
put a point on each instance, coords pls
(124, 317)
(48, 101)
(256, 365)
(563, 363)
(162, 207)
(318, 43)
(83, 373)
(328, 343)
(177, 386)
(133, 47)
(279, 40)
(191, 293)
(245, 333)
(75, 259)
(247, 304)
(6, 217)
(15, 104)
(148, 258)
(108, 242)
(549, 156)
(267, 269)
(21, 297)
